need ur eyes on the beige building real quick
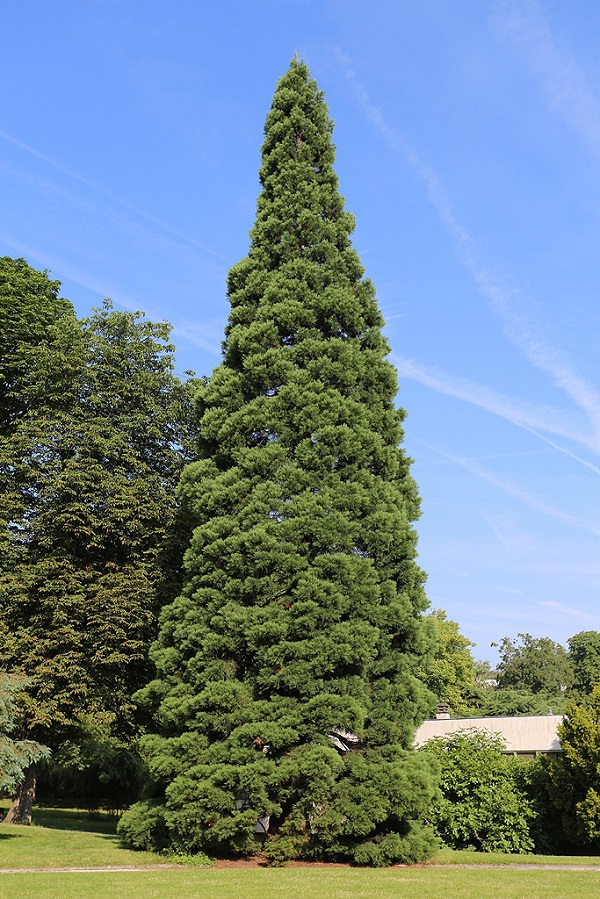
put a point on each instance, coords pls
(526, 737)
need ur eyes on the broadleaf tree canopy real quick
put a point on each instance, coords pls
(89, 548)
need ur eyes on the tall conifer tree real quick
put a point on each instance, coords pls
(286, 669)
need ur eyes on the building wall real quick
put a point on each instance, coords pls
(524, 736)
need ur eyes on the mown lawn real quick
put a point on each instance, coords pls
(61, 838)
(454, 857)
(306, 883)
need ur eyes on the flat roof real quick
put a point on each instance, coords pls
(529, 733)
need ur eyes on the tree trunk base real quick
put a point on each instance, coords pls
(21, 805)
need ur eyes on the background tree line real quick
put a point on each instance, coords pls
(491, 801)
(494, 802)
(533, 676)
(95, 428)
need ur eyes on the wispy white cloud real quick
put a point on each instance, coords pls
(200, 334)
(528, 498)
(113, 197)
(125, 219)
(563, 422)
(485, 458)
(570, 611)
(525, 497)
(568, 90)
(507, 301)
(119, 221)
(562, 78)
(509, 591)
(103, 288)
(520, 615)
(509, 535)
(531, 417)
(205, 335)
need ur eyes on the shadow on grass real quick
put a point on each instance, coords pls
(70, 819)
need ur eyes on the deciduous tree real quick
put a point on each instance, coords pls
(481, 805)
(30, 310)
(450, 671)
(534, 664)
(584, 658)
(91, 549)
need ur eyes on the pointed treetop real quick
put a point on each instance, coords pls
(288, 663)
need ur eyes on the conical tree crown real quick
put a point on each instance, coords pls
(286, 668)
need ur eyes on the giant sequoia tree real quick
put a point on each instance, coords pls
(286, 669)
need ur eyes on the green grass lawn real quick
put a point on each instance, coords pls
(455, 857)
(59, 838)
(294, 883)
(62, 838)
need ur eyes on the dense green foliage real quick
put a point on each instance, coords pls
(584, 659)
(287, 668)
(90, 542)
(30, 312)
(534, 676)
(564, 791)
(561, 807)
(449, 670)
(574, 777)
(481, 804)
(505, 702)
(144, 826)
(297, 660)
(534, 664)
(15, 755)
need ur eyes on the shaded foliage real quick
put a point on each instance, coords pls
(93, 770)
(16, 756)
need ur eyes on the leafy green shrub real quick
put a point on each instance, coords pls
(481, 805)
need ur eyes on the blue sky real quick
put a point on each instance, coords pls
(468, 139)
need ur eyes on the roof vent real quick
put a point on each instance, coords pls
(442, 711)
